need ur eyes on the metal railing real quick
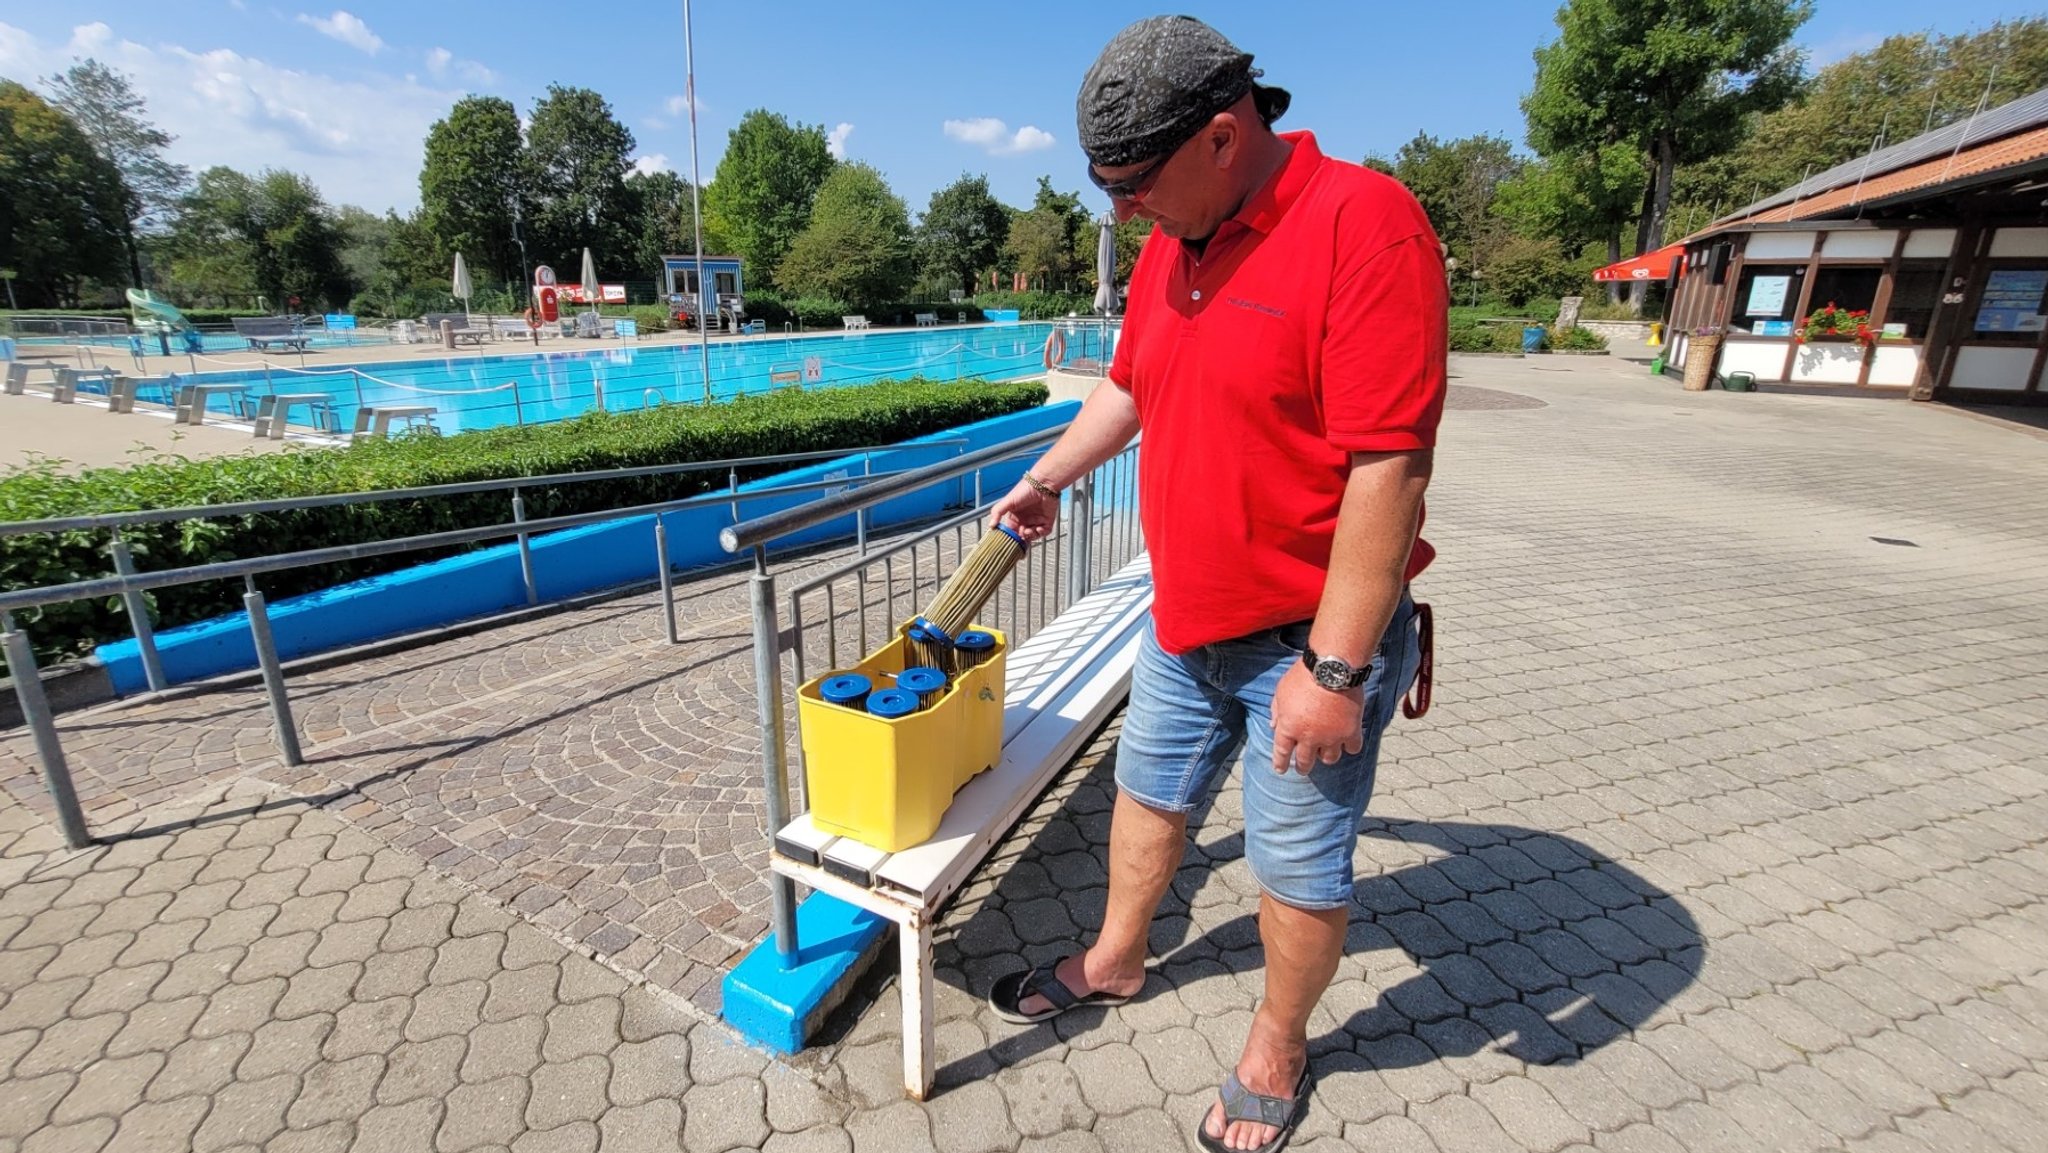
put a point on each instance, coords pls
(130, 585)
(838, 616)
(1087, 344)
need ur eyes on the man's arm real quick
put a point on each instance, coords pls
(1368, 560)
(1107, 422)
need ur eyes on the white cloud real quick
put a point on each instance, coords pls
(652, 163)
(359, 138)
(1842, 47)
(677, 105)
(442, 63)
(835, 140)
(346, 27)
(994, 136)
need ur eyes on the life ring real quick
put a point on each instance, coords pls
(1055, 349)
(533, 319)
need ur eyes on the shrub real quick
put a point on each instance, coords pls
(767, 307)
(779, 422)
(1578, 340)
(1486, 338)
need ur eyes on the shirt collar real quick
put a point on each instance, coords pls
(1263, 211)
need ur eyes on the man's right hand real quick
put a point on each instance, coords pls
(1031, 513)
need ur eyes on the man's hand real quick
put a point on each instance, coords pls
(1312, 724)
(1032, 513)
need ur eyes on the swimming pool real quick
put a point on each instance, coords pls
(490, 391)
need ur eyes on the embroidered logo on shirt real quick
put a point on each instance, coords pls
(1255, 306)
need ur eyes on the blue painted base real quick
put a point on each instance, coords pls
(781, 1008)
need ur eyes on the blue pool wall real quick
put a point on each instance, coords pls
(565, 564)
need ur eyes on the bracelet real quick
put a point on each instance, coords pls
(1042, 488)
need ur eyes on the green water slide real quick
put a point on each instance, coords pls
(155, 314)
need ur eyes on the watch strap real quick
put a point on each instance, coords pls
(1358, 672)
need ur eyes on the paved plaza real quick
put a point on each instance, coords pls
(1729, 831)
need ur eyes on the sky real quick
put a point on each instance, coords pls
(922, 91)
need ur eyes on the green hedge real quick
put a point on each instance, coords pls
(1578, 340)
(220, 316)
(1039, 305)
(1486, 338)
(780, 422)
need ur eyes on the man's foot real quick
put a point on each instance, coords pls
(1027, 997)
(1262, 1072)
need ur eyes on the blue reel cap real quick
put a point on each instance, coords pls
(892, 703)
(921, 680)
(924, 630)
(976, 641)
(844, 688)
(1014, 535)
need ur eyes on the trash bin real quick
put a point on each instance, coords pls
(1532, 338)
(1739, 382)
(6, 348)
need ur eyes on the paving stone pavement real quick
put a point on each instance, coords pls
(1727, 832)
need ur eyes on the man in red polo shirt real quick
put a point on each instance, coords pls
(1283, 354)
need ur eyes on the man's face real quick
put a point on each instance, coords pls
(1183, 192)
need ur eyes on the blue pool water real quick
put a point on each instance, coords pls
(473, 392)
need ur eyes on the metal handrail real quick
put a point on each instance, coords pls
(252, 566)
(756, 533)
(248, 508)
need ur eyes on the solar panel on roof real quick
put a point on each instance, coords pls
(2028, 111)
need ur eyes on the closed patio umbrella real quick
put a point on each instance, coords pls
(591, 289)
(462, 288)
(1105, 268)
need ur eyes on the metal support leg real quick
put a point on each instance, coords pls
(35, 709)
(525, 549)
(668, 584)
(138, 619)
(774, 765)
(273, 675)
(914, 944)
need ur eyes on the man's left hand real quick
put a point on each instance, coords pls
(1312, 724)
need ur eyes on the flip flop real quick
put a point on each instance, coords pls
(1009, 992)
(1241, 1104)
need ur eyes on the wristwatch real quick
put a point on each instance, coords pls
(1333, 673)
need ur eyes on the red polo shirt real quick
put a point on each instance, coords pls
(1312, 327)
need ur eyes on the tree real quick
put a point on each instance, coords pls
(271, 236)
(1456, 182)
(104, 104)
(766, 182)
(857, 246)
(1677, 79)
(962, 232)
(1042, 240)
(577, 157)
(662, 222)
(471, 183)
(62, 204)
(1906, 85)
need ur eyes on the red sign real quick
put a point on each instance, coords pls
(613, 293)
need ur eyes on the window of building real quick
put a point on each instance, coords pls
(1766, 297)
(1852, 287)
(1916, 291)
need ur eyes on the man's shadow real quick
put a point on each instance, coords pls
(1524, 941)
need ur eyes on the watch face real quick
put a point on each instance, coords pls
(1332, 673)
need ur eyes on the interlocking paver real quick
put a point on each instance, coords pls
(1633, 885)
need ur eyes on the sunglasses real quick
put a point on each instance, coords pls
(1134, 186)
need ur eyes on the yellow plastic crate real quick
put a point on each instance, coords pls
(887, 782)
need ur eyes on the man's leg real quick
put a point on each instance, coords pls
(1302, 950)
(1145, 848)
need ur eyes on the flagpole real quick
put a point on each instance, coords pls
(697, 203)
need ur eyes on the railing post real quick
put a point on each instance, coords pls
(518, 409)
(860, 515)
(35, 712)
(774, 756)
(525, 549)
(733, 485)
(273, 674)
(1080, 525)
(668, 585)
(138, 618)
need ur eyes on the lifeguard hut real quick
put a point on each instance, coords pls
(679, 281)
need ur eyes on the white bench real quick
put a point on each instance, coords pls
(855, 323)
(927, 319)
(65, 390)
(17, 375)
(1060, 686)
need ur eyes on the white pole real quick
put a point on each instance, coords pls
(697, 202)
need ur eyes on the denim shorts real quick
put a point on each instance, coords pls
(1191, 715)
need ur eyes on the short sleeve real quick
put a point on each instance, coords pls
(1384, 347)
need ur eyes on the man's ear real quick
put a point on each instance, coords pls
(1223, 136)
